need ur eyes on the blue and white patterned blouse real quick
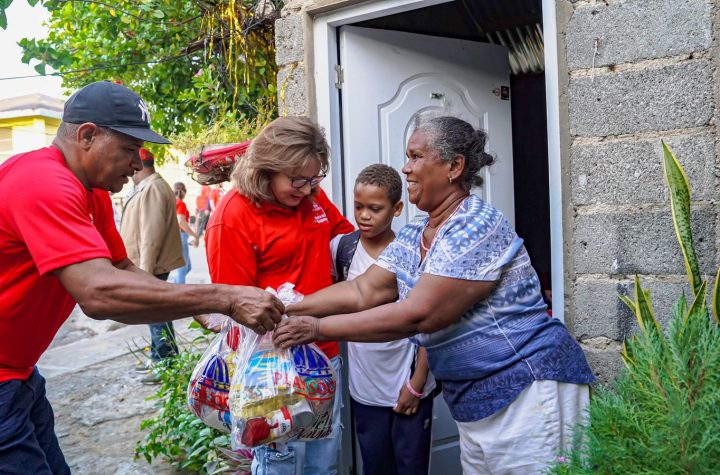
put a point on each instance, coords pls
(504, 342)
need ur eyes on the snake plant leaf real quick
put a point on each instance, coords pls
(716, 298)
(680, 307)
(644, 312)
(627, 354)
(698, 307)
(680, 205)
(631, 304)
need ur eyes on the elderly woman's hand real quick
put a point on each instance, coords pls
(295, 331)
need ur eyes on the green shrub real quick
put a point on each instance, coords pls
(661, 416)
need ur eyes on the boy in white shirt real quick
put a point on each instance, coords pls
(390, 383)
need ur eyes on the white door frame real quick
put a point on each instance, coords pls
(324, 40)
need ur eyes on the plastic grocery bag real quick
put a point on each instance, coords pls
(280, 395)
(207, 393)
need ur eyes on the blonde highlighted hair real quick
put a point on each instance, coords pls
(286, 144)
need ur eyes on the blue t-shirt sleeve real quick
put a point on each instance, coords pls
(401, 255)
(390, 258)
(475, 247)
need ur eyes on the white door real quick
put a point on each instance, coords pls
(389, 76)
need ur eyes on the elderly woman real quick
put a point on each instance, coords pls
(461, 282)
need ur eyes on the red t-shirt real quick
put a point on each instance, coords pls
(269, 245)
(48, 220)
(202, 201)
(215, 195)
(180, 208)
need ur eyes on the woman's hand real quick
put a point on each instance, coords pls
(295, 331)
(407, 403)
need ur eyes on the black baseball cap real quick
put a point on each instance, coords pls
(114, 106)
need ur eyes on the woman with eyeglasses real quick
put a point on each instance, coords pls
(273, 227)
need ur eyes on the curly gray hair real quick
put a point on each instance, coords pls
(451, 136)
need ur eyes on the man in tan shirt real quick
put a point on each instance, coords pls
(149, 229)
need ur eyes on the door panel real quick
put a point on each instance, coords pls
(390, 76)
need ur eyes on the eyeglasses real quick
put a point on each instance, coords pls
(300, 182)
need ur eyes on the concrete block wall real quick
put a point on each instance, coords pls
(634, 72)
(293, 45)
(290, 38)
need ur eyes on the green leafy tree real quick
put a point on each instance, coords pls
(661, 416)
(196, 62)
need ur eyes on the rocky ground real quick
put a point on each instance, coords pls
(97, 396)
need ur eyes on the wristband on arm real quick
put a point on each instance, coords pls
(412, 390)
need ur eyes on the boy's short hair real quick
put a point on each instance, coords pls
(384, 176)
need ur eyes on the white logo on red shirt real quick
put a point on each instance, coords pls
(319, 214)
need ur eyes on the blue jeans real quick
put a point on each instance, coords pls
(162, 336)
(27, 429)
(392, 443)
(180, 274)
(319, 457)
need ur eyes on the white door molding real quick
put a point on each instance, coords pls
(324, 60)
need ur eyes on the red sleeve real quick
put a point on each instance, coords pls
(105, 223)
(338, 223)
(55, 221)
(230, 252)
(181, 208)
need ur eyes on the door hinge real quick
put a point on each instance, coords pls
(339, 78)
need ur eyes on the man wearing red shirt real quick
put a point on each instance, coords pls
(59, 246)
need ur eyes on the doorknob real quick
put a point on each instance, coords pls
(437, 95)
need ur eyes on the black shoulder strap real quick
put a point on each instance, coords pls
(345, 252)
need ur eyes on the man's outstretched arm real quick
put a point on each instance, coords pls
(130, 295)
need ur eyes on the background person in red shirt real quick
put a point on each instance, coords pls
(202, 210)
(273, 227)
(187, 235)
(214, 196)
(59, 245)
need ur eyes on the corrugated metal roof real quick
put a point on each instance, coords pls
(516, 24)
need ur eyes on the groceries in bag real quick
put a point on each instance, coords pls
(207, 393)
(280, 395)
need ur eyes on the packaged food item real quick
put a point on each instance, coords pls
(280, 395)
(317, 383)
(209, 386)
